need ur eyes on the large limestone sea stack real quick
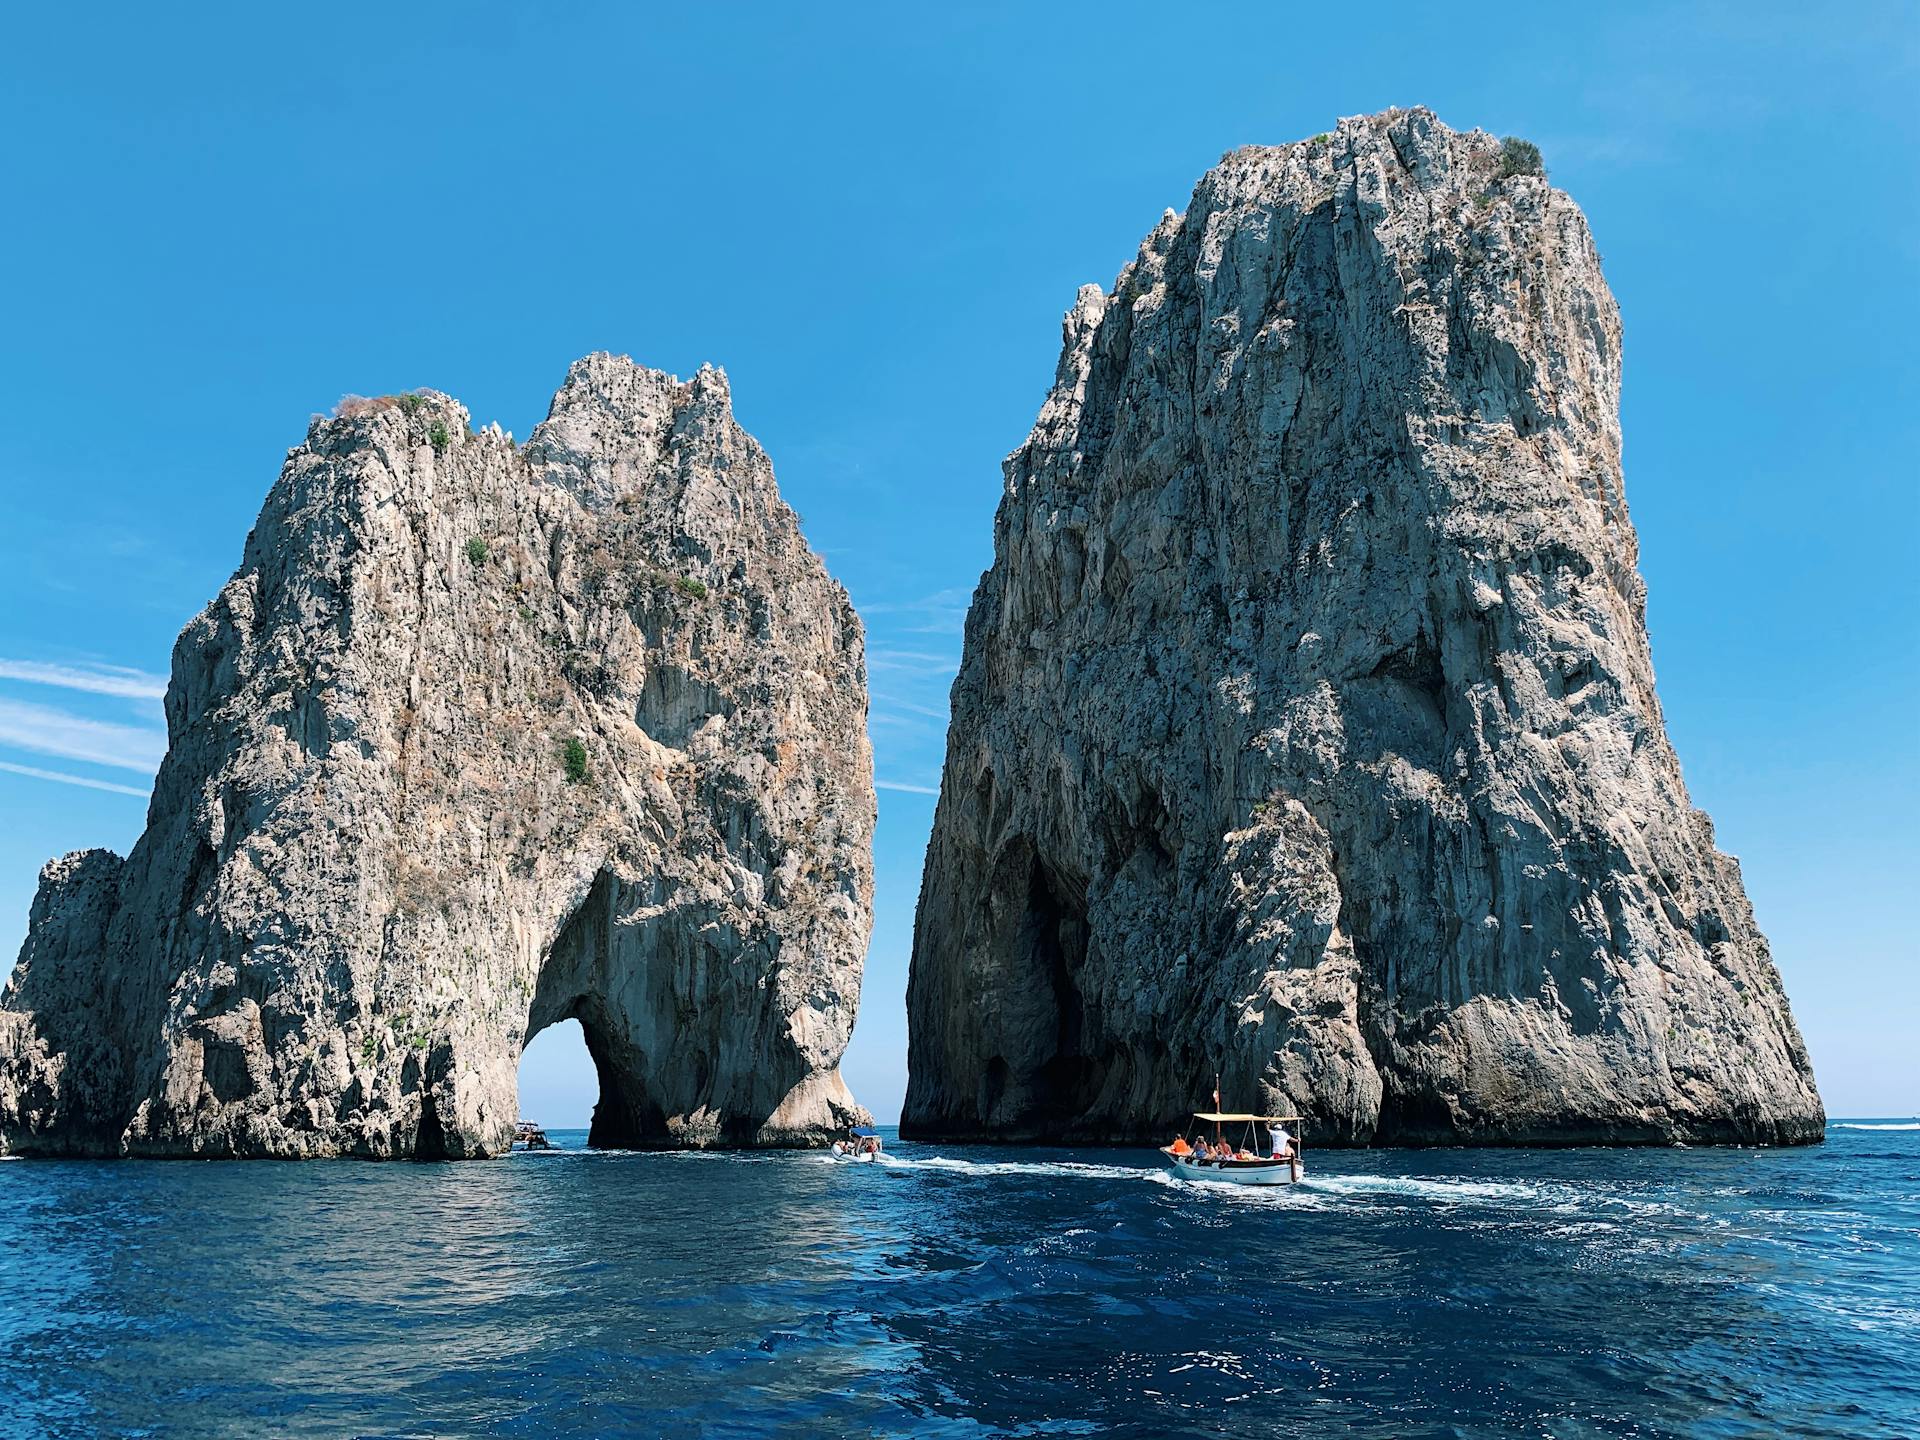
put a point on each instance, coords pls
(1306, 730)
(479, 738)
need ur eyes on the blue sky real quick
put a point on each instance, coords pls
(221, 219)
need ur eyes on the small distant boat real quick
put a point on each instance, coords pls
(529, 1136)
(1251, 1164)
(862, 1143)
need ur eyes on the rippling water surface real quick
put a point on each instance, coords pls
(970, 1292)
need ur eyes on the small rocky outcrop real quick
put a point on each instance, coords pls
(1306, 729)
(478, 738)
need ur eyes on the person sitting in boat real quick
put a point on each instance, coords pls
(1223, 1152)
(1180, 1147)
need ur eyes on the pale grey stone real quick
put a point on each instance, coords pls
(366, 879)
(1306, 730)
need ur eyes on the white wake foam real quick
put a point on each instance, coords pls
(1314, 1190)
(1445, 1191)
(1068, 1169)
(1859, 1125)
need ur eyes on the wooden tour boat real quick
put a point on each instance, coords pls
(1278, 1163)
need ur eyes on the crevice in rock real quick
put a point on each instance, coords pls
(197, 873)
(674, 703)
(224, 1068)
(1051, 946)
(430, 1140)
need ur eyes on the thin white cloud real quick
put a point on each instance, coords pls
(65, 779)
(94, 679)
(912, 662)
(955, 597)
(894, 702)
(905, 788)
(942, 613)
(48, 731)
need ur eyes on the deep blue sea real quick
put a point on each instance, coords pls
(970, 1292)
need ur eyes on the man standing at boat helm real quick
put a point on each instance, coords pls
(1282, 1142)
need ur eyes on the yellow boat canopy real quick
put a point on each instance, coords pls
(1250, 1119)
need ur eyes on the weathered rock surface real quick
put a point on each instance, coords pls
(368, 877)
(1306, 728)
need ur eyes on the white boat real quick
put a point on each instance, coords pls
(862, 1144)
(1248, 1167)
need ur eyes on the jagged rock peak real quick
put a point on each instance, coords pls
(479, 738)
(1305, 730)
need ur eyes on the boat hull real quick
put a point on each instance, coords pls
(1238, 1172)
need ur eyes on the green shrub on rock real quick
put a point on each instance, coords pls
(1520, 157)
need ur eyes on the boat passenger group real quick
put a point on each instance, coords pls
(1201, 1153)
(862, 1143)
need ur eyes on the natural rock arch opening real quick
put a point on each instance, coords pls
(558, 1083)
(589, 977)
(620, 1111)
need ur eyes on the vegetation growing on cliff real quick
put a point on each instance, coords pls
(1520, 157)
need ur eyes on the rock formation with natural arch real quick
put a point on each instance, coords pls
(1306, 731)
(478, 738)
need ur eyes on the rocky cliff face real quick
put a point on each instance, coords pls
(1306, 729)
(479, 738)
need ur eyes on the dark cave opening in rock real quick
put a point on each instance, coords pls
(430, 1140)
(1052, 947)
